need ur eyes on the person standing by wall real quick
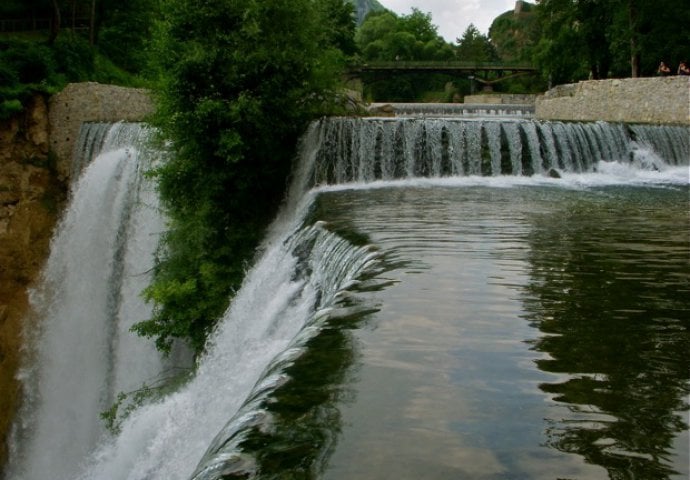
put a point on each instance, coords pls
(683, 68)
(663, 69)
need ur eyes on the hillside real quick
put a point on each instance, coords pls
(363, 7)
(513, 32)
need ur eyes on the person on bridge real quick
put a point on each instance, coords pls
(683, 68)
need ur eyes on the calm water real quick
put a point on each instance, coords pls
(525, 332)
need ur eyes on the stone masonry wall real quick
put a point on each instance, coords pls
(91, 102)
(502, 98)
(658, 100)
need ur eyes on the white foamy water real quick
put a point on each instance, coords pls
(81, 353)
(607, 174)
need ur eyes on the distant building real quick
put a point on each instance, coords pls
(518, 7)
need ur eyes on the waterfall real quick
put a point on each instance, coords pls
(334, 264)
(81, 351)
(101, 255)
(287, 297)
(90, 142)
(369, 149)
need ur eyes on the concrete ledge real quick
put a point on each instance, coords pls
(659, 100)
(91, 102)
(502, 98)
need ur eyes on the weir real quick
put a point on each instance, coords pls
(230, 418)
(369, 149)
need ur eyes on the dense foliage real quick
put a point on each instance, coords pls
(512, 34)
(613, 38)
(28, 67)
(572, 40)
(475, 47)
(124, 32)
(239, 81)
(47, 43)
(385, 36)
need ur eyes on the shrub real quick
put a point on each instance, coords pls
(9, 108)
(32, 61)
(241, 79)
(74, 57)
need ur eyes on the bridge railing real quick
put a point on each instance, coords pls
(443, 65)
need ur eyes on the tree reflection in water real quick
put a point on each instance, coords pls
(609, 290)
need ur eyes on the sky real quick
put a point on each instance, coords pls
(454, 16)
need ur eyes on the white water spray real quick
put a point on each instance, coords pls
(81, 351)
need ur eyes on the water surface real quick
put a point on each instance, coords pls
(529, 332)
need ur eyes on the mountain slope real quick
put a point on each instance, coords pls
(363, 7)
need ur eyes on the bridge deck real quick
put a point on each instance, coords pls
(480, 71)
(445, 66)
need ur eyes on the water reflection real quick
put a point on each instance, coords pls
(609, 290)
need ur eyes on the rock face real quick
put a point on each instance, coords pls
(31, 197)
(660, 100)
(364, 7)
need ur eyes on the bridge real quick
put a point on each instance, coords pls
(486, 73)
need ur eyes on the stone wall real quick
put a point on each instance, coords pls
(501, 98)
(659, 100)
(91, 102)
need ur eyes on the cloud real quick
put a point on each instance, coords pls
(454, 16)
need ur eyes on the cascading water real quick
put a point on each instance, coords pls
(300, 289)
(82, 353)
(365, 150)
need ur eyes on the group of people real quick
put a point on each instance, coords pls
(683, 69)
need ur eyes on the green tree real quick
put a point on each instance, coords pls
(385, 36)
(559, 51)
(339, 22)
(475, 47)
(124, 31)
(599, 39)
(240, 79)
(373, 35)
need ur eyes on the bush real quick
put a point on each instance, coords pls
(8, 75)
(74, 57)
(28, 67)
(241, 79)
(32, 61)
